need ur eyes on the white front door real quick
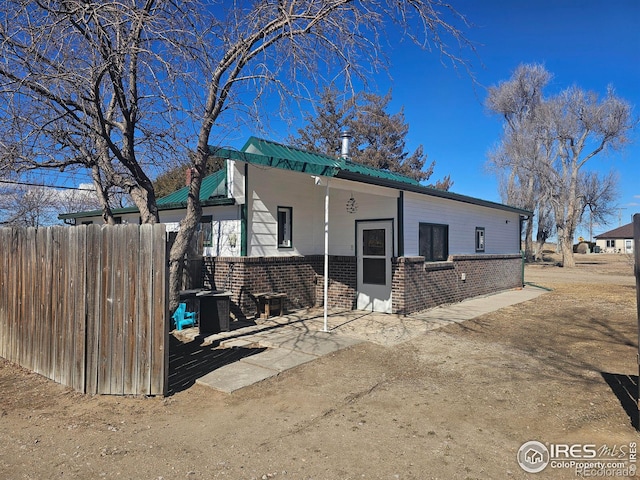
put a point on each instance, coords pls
(375, 249)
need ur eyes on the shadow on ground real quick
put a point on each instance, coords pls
(192, 360)
(626, 389)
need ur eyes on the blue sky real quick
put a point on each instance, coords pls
(588, 43)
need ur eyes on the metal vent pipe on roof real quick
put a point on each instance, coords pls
(345, 135)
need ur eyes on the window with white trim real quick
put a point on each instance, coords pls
(285, 230)
(479, 239)
(206, 230)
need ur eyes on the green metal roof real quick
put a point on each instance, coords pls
(213, 186)
(264, 152)
(258, 151)
(213, 191)
(333, 165)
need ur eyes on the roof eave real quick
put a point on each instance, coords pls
(212, 202)
(434, 192)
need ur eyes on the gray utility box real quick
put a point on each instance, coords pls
(214, 311)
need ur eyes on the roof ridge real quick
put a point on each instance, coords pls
(290, 147)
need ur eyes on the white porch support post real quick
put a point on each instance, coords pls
(326, 255)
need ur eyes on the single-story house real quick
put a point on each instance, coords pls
(618, 240)
(274, 213)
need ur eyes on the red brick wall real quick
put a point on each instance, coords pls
(301, 278)
(417, 285)
(342, 283)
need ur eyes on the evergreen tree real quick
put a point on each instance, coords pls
(379, 138)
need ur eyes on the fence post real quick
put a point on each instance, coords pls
(636, 252)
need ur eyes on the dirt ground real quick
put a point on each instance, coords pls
(456, 403)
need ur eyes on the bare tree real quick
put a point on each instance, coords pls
(599, 194)
(79, 82)
(583, 126)
(519, 101)
(547, 142)
(106, 85)
(287, 44)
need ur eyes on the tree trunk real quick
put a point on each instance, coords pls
(566, 248)
(528, 241)
(178, 254)
(107, 214)
(146, 202)
(188, 226)
(541, 239)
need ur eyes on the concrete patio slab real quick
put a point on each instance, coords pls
(472, 308)
(235, 376)
(279, 359)
(299, 337)
(313, 343)
(237, 342)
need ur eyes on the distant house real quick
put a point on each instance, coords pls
(394, 245)
(618, 240)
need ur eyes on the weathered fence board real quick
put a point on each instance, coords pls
(636, 251)
(83, 306)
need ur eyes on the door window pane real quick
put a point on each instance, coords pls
(206, 230)
(374, 271)
(373, 242)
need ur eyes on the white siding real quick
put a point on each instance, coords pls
(225, 235)
(621, 245)
(225, 227)
(271, 188)
(502, 228)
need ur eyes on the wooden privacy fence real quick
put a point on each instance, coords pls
(86, 306)
(636, 254)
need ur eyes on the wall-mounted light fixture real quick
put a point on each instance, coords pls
(352, 205)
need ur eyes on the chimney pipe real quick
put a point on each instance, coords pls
(345, 135)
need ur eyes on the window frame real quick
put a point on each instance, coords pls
(284, 239)
(206, 220)
(481, 240)
(433, 226)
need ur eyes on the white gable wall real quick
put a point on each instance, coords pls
(502, 228)
(225, 227)
(270, 188)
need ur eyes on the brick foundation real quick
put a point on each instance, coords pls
(417, 285)
(301, 278)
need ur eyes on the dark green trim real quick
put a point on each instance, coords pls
(434, 192)
(244, 213)
(215, 202)
(401, 224)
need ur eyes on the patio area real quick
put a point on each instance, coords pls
(254, 350)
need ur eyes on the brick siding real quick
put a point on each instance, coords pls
(301, 278)
(417, 285)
